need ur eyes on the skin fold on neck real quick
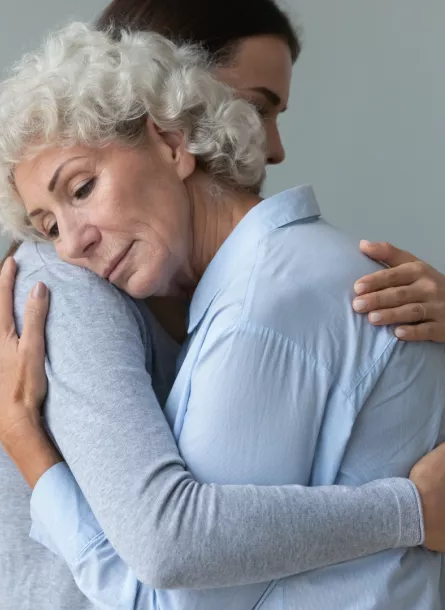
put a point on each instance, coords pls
(215, 211)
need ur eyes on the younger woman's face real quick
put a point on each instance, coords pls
(261, 73)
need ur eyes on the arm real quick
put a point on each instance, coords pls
(110, 583)
(69, 529)
(410, 293)
(119, 447)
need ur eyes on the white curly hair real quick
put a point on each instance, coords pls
(88, 87)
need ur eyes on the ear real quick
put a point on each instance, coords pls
(172, 149)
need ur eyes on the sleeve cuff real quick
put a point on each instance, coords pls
(412, 531)
(61, 517)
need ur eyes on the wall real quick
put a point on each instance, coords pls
(366, 121)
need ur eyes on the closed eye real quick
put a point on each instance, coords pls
(53, 232)
(85, 190)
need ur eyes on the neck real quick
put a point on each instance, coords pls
(215, 212)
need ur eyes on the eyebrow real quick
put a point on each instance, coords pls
(273, 98)
(52, 185)
(53, 181)
(35, 213)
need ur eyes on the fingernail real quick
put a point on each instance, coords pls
(39, 291)
(400, 333)
(375, 317)
(365, 242)
(360, 288)
(359, 304)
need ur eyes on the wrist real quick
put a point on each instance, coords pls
(32, 451)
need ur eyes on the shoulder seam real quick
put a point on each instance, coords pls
(30, 273)
(391, 341)
(250, 326)
(255, 326)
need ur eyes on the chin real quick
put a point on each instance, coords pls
(138, 290)
(139, 286)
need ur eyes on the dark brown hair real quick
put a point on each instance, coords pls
(216, 25)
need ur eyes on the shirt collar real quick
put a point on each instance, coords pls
(289, 206)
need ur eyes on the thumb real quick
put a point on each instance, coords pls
(386, 253)
(36, 311)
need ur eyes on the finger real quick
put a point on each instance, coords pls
(7, 278)
(406, 314)
(388, 278)
(386, 299)
(428, 331)
(386, 253)
(438, 452)
(430, 463)
(32, 339)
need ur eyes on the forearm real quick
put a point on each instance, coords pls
(31, 450)
(240, 535)
(230, 535)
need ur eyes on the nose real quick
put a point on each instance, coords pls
(77, 241)
(275, 149)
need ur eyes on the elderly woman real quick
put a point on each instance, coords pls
(144, 170)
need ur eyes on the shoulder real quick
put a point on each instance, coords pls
(312, 254)
(300, 288)
(78, 297)
(304, 274)
(39, 262)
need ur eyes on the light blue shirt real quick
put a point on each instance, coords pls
(282, 383)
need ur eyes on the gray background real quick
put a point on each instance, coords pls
(365, 124)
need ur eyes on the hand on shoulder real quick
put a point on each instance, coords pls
(410, 293)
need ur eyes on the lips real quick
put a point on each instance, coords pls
(113, 266)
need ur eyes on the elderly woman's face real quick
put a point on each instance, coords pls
(121, 212)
